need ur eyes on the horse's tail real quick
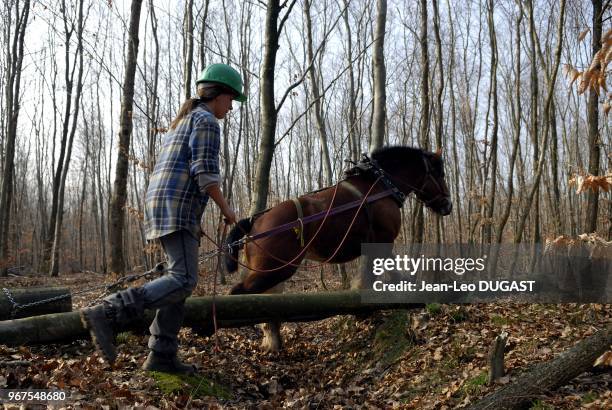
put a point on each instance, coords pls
(242, 228)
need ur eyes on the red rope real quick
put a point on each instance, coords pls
(217, 347)
(305, 248)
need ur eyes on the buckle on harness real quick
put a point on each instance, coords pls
(372, 165)
(299, 231)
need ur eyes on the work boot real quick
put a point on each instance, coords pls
(167, 363)
(99, 321)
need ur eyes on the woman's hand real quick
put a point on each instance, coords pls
(230, 217)
(228, 213)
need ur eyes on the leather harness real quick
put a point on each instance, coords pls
(299, 230)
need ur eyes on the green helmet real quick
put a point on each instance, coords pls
(223, 74)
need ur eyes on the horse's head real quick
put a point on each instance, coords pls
(433, 191)
(418, 171)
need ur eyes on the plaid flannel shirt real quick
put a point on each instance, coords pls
(173, 200)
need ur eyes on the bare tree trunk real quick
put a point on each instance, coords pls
(352, 115)
(440, 90)
(458, 197)
(83, 196)
(136, 198)
(58, 171)
(203, 36)
(150, 96)
(57, 234)
(380, 77)
(40, 152)
(590, 223)
(316, 96)
(125, 130)
(269, 113)
(488, 222)
(439, 109)
(153, 128)
(424, 124)
(245, 50)
(419, 217)
(188, 46)
(540, 160)
(98, 180)
(517, 113)
(535, 211)
(12, 94)
(554, 164)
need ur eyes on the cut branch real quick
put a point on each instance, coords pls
(496, 357)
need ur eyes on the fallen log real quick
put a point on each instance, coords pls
(231, 311)
(24, 296)
(545, 377)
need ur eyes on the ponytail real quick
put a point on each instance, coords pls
(206, 92)
(185, 109)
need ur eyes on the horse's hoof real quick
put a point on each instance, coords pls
(270, 346)
(272, 341)
(270, 349)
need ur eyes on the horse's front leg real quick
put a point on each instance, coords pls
(366, 277)
(272, 341)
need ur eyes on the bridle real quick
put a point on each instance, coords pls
(429, 178)
(367, 164)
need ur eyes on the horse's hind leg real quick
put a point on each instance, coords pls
(272, 341)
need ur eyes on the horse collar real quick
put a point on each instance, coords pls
(372, 165)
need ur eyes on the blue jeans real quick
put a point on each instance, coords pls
(166, 294)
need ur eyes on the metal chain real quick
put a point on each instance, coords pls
(16, 307)
(159, 269)
(14, 304)
(211, 254)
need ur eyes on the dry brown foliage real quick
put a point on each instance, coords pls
(135, 212)
(595, 76)
(605, 360)
(152, 247)
(592, 182)
(583, 34)
(598, 246)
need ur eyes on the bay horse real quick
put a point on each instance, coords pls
(398, 170)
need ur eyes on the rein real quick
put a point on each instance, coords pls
(319, 215)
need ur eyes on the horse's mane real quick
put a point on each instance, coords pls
(394, 154)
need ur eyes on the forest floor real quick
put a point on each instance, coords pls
(436, 358)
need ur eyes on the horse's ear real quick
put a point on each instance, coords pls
(438, 153)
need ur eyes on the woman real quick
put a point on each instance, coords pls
(186, 175)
